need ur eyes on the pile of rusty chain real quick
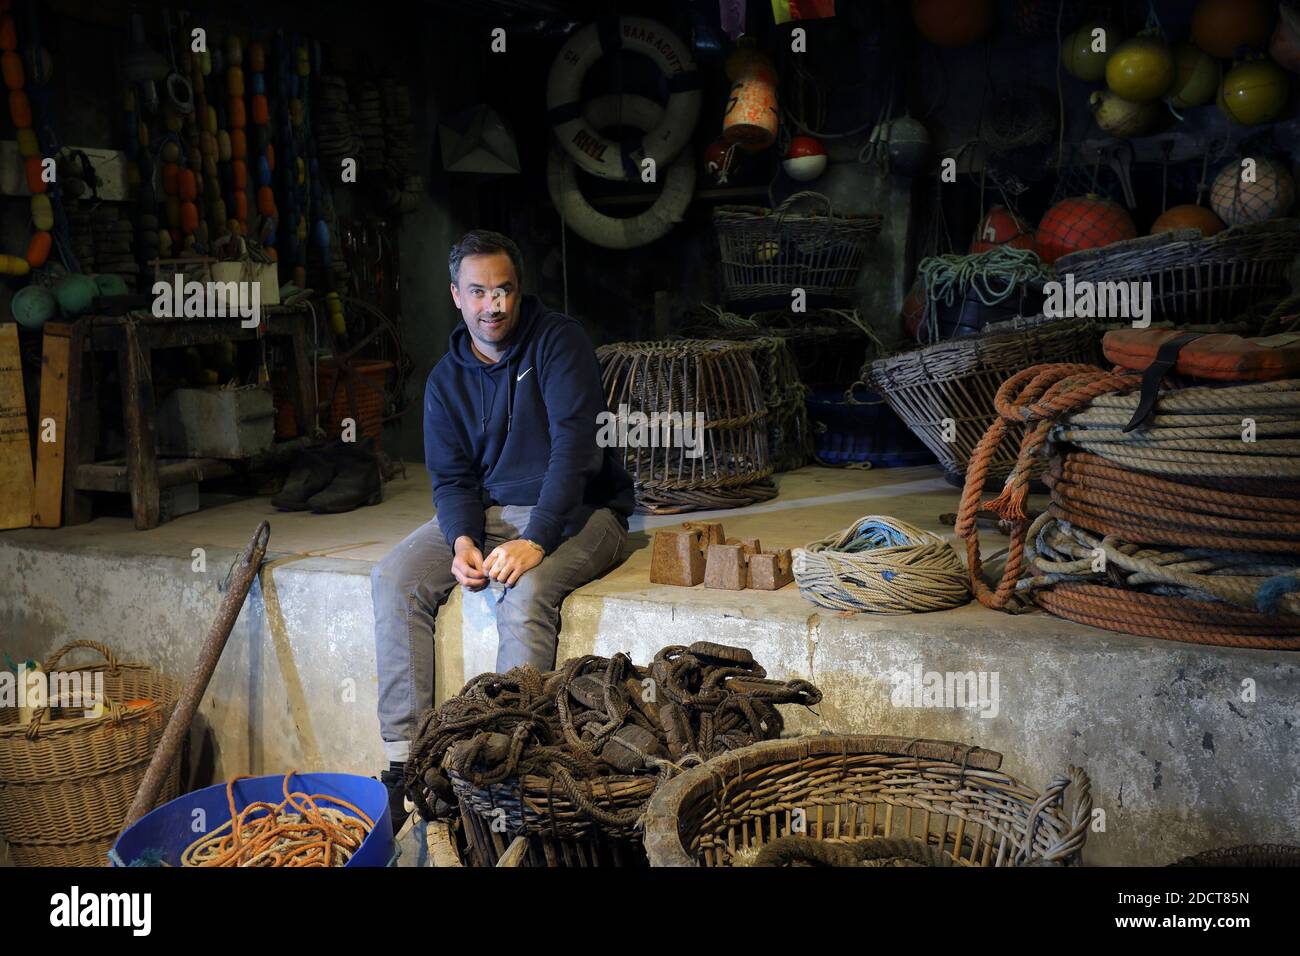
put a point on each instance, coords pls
(598, 717)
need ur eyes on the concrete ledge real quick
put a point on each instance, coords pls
(1188, 747)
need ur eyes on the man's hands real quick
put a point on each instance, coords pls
(506, 563)
(467, 566)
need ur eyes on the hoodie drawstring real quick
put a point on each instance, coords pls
(482, 404)
(510, 397)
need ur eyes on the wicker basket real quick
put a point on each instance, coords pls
(558, 833)
(1194, 279)
(768, 252)
(957, 380)
(851, 788)
(67, 780)
(729, 465)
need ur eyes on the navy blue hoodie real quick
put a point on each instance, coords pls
(521, 431)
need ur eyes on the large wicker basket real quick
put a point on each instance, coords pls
(946, 391)
(1195, 280)
(852, 788)
(66, 779)
(558, 832)
(730, 465)
(768, 252)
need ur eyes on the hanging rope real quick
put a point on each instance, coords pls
(989, 277)
(881, 565)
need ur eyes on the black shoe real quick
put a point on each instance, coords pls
(356, 481)
(311, 474)
(395, 781)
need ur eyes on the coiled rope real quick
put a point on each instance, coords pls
(298, 831)
(1174, 530)
(881, 565)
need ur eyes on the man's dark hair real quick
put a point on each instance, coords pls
(484, 242)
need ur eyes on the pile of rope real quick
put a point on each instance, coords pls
(298, 831)
(597, 719)
(881, 565)
(989, 277)
(1185, 528)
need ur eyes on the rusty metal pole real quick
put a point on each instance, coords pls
(169, 748)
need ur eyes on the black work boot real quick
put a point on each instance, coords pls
(311, 473)
(356, 481)
(394, 778)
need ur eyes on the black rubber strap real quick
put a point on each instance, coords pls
(1166, 358)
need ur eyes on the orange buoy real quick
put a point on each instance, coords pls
(240, 170)
(8, 34)
(235, 114)
(241, 206)
(1222, 27)
(1002, 227)
(270, 157)
(953, 23)
(33, 167)
(261, 110)
(265, 201)
(1188, 216)
(751, 116)
(20, 109)
(11, 64)
(38, 250)
(189, 217)
(1082, 222)
(238, 144)
(187, 186)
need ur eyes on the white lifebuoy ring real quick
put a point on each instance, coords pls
(611, 231)
(595, 153)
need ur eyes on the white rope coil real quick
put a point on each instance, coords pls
(883, 566)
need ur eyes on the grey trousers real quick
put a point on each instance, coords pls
(411, 583)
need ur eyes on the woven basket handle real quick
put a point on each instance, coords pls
(108, 655)
(786, 207)
(1080, 817)
(114, 709)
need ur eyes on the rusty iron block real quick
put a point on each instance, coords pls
(726, 567)
(677, 558)
(750, 545)
(710, 532)
(771, 570)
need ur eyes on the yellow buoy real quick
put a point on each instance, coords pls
(1196, 77)
(1141, 70)
(1253, 92)
(1085, 52)
(1120, 117)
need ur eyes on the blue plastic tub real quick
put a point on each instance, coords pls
(863, 431)
(169, 829)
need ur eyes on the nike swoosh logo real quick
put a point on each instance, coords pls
(520, 376)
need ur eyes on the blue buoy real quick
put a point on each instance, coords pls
(160, 837)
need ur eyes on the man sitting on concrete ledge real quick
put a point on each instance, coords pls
(510, 421)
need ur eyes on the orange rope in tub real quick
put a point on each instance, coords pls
(294, 832)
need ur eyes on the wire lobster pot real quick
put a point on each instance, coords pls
(768, 252)
(1195, 280)
(691, 420)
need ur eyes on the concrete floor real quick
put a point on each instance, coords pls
(1180, 761)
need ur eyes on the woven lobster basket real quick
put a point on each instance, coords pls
(67, 779)
(1195, 280)
(945, 391)
(557, 829)
(847, 789)
(767, 252)
(714, 385)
